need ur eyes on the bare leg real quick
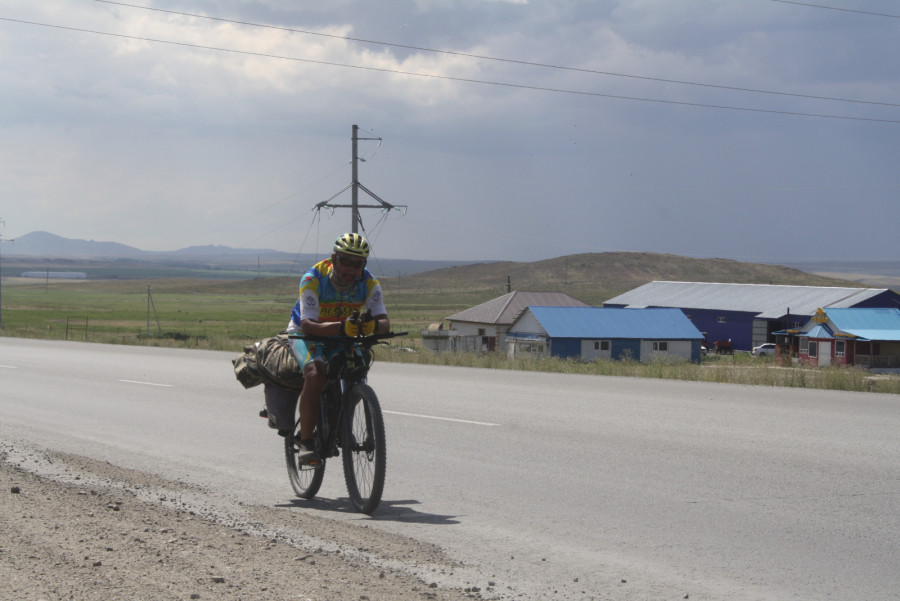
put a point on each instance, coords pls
(310, 398)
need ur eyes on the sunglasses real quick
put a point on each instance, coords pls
(355, 264)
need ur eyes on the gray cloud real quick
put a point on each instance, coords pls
(163, 145)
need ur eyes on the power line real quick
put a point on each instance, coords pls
(458, 79)
(846, 10)
(506, 60)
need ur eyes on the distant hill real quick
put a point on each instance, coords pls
(592, 277)
(45, 244)
(596, 277)
(35, 249)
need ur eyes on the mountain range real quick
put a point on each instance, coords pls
(47, 245)
(36, 246)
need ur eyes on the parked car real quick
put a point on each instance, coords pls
(764, 349)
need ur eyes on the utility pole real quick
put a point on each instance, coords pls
(155, 314)
(354, 206)
(2, 239)
(354, 172)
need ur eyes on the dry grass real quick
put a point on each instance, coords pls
(741, 369)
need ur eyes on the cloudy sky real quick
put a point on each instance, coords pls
(758, 130)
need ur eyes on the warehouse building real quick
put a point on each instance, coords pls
(749, 314)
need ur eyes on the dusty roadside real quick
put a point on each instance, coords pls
(75, 528)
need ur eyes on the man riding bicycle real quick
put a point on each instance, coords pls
(330, 292)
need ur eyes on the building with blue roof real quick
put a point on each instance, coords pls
(868, 337)
(483, 328)
(750, 314)
(592, 333)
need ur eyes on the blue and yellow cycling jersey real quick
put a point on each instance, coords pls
(321, 301)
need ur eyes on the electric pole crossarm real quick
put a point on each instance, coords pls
(384, 203)
(331, 206)
(325, 202)
(355, 186)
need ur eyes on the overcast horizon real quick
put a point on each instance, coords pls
(762, 131)
(10, 251)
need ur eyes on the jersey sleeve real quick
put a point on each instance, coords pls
(375, 299)
(308, 304)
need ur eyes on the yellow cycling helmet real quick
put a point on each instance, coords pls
(352, 244)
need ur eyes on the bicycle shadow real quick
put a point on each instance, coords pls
(395, 511)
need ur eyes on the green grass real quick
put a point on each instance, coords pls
(225, 315)
(742, 368)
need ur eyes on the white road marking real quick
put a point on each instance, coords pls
(445, 419)
(8, 367)
(147, 383)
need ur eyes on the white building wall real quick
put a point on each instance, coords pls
(527, 324)
(463, 328)
(589, 353)
(676, 348)
(469, 338)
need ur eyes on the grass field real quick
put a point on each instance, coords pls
(206, 314)
(225, 315)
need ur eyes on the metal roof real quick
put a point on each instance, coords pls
(601, 322)
(764, 300)
(871, 324)
(820, 331)
(505, 309)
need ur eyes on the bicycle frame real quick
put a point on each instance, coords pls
(346, 368)
(350, 424)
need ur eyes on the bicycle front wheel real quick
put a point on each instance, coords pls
(363, 448)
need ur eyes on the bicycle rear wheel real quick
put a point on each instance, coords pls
(363, 448)
(305, 479)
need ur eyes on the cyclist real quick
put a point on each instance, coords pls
(330, 292)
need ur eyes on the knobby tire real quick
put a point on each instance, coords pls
(363, 448)
(305, 479)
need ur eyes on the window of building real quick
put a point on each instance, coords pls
(660, 346)
(601, 345)
(813, 349)
(840, 348)
(721, 319)
(481, 331)
(804, 346)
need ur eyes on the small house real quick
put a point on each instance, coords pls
(483, 328)
(592, 333)
(862, 337)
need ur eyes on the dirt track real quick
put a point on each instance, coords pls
(75, 528)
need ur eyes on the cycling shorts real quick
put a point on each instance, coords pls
(305, 351)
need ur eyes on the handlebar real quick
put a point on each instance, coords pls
(371, 339)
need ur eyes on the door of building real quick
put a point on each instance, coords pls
(824, 353)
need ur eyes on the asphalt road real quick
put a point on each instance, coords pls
(558, 486)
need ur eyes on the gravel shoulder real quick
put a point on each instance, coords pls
(75, 528)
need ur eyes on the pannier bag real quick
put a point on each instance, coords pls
(268, 361)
